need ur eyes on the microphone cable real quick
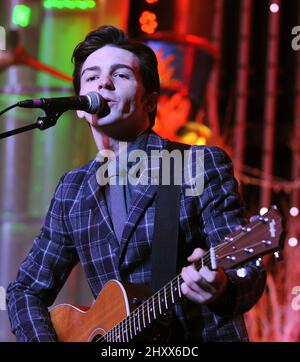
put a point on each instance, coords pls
(8, 108)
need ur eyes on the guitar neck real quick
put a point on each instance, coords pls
(151, 309)
(256, 239)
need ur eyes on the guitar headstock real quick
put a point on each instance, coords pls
(257, 238)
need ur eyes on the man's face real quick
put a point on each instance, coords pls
(114, 74)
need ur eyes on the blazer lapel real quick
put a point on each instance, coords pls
(93, 199)
(143, 192)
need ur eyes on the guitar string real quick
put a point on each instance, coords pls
(127, 328)
(129, 322)
(119, 331)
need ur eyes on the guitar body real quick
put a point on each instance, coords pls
(122, 313)
(83, 324)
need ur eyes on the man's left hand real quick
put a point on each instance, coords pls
(205, 285)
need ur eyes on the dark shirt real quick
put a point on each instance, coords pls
(138, 144)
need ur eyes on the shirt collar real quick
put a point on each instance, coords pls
(117, 164)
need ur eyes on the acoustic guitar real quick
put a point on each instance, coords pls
(122, 312)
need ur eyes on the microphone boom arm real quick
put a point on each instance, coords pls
(92, 102)
(42, 123)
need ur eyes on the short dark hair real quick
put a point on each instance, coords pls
(110, 35)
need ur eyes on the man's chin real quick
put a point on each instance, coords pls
(119, 130)
(110, 127)
(106, 122)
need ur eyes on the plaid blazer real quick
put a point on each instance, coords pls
(78, 228)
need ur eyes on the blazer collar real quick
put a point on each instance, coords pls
(143, 194)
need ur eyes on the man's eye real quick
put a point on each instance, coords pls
(91, 78)
(121, 75)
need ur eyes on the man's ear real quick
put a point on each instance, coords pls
(151, 102)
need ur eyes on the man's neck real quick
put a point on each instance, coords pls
(105, 142)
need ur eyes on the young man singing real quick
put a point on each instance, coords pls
(83, 226)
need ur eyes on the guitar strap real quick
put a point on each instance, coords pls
(166, 226)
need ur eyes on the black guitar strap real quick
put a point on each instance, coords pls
(166, 227)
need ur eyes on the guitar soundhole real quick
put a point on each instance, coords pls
(98, 338)
(98, 335)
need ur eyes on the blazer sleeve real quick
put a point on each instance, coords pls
(41, 276)
(221, 211)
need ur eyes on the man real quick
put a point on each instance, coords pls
(80, 225)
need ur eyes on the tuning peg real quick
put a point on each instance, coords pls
(258, 262)
(278, 256)
(263, 219)
(254, 218)
(242, 272)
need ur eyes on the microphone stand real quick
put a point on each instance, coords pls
(42, 123)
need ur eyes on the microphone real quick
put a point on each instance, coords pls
(92, 103)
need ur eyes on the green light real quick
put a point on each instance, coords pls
(21, 15)
(69, 4)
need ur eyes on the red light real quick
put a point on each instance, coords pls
(151, 1)
(148, 22)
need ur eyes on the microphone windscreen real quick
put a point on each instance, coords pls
(96, 102)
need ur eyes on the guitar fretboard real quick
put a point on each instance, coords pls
(259, 237)
(151, 309)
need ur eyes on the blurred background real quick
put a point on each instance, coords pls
(230, 73)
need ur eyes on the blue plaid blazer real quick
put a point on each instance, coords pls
(78, 228)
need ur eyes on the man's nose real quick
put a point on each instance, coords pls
(105, 82)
